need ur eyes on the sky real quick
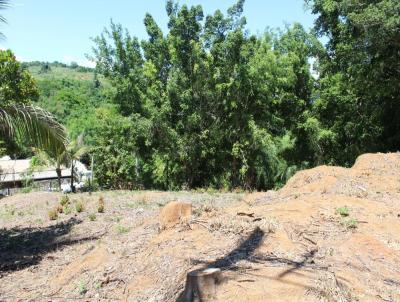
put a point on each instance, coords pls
(56, 30)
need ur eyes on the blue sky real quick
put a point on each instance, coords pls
(49, 30)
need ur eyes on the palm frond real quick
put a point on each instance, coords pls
(3, 5)
(35, 125)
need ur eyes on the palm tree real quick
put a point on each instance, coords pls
(72, 152)
(30, 123)
(3, 5)
(75, 150)
(35, 126)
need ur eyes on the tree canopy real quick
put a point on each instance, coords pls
(208, 104)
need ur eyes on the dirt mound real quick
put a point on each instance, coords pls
(371, 174)
(174, 213)
(378, 162)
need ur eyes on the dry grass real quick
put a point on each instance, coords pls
(122, 255)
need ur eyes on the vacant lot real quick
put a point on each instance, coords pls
(331, 234)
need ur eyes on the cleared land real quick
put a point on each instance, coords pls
(331, 234)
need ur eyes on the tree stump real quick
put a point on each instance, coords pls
(201, 285)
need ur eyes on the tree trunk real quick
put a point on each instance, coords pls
(201, 285)
(72, 177)
(58, 171)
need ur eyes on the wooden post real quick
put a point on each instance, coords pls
(201, 285)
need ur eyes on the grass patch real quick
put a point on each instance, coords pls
(59, 208)
(79, 207)
(351, 223)
(53, 214)
(67, 210)
(122, 229)
(343, 211)
(64, 200)
(92, 217)
(101, 204)
(82, 288)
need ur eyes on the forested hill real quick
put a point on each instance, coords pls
(208, 104)
(71, 92)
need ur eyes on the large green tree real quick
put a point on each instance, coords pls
(208, 104)
(359, 76)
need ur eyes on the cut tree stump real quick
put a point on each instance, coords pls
(201, 285)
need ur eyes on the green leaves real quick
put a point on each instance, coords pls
(206, 105)
(360, 72)
(34, 125)
(20, 121)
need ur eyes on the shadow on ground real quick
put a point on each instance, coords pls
(25, 247)
(244, 251)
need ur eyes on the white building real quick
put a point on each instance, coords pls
(13, 173)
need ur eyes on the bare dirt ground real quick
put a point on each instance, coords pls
(331, 234)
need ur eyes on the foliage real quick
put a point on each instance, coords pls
(122, 229)
(207, 105)
(20, 121)
(343, 211)
(360, 72)
(67, 210)
(3, 5)
(59, 208)
(53, 214)
(101, 205)
(79, 207)
(64, 201)
(82, 287)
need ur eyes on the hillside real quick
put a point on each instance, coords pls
(71, 92)
(57, 71)
(331, 234)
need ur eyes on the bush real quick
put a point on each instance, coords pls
(101, 205)
(67, 210)
(343, 211)
(92, 217)
(59, 208)
(53, 214)
(64, 200)
(79, 207)
(122, 230)
(350, 224)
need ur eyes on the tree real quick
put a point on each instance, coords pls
(208, 104)
(359, 75)
(19, 120)
(74, 151)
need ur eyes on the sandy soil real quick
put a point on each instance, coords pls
(331, 234)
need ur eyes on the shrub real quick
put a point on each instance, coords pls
(343, 211)
(122, 230)
(352, 224)
(92, 217)
(59, 208)
(64, 200)
(101, 205)
(79, 207)
(82, 288)
(53, 214)
(67, 210)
